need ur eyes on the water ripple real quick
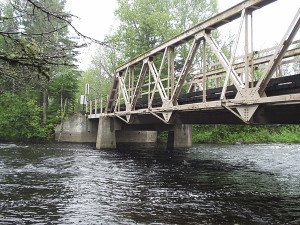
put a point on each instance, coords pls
(75, 184)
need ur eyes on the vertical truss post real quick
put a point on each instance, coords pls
(157, 80)
(129, 84)
(169, 73)
(149, 86)
(123, 89)
(119, 98)
(171, 70)
(132, 83)
(204, 85)
(252, 49)
(279, 53)
(246, 51)
(139, 84)
(184, 72)
(230, 64)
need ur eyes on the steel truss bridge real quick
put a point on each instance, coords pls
(210, 87)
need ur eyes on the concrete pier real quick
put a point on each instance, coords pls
(110, 133)
(106, 137)
(180, 137)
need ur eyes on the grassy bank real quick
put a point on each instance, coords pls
(226, 134)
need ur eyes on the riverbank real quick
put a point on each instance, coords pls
(228, 134)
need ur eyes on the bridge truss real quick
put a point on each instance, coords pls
(157, 82)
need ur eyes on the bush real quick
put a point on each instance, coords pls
(20, 118)
(224, 134)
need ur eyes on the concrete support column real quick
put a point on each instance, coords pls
(180, 137)
(106, 137)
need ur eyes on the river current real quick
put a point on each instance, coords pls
(206, 184)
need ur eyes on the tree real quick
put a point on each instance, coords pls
(145, 24)
(31, 40)
(35, 49)
(62, 91)
(20, 118)
(34, 38)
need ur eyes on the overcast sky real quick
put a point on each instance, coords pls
(97, 18)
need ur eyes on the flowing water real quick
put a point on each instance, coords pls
(207, 184)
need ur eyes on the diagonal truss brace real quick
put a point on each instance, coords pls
(224, 61)
(184, 72)
(139, 85)
(233, 55)
(124, 90)
(158, 83)
(279, 53)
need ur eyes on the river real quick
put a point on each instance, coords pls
(206, 184)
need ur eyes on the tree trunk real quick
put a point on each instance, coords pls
(63, 114)
(45, 105)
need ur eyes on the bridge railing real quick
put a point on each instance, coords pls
(258, 62)
(95, 108)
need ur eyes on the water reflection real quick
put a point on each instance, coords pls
(75, 184)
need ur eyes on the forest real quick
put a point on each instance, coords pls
(41, 84)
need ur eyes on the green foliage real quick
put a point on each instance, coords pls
(64, 86)
(145, 24)
(62, 92)
(99, 84)
(20, 118)
(33, 40)
(224, 134)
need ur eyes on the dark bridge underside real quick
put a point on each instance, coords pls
(268, 114)
(288, 113)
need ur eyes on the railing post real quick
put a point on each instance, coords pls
(91, 106)
(87, 106)
(95, 106)
(101, 106)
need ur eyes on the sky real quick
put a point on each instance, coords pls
(96, 19)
